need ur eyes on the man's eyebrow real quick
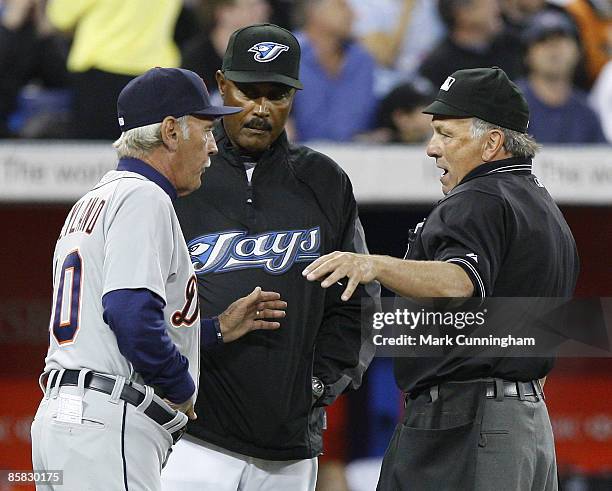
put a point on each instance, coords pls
(438, 125)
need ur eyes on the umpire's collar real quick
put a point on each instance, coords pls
(514, 165)
(139, 167)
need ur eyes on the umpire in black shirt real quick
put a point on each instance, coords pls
(479, 423)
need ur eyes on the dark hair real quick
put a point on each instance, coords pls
(448, 11)
(407, 97)
(207, 11)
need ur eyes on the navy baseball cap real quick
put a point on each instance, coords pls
(484, 93)
(162, 92)
(263, 53)
(546, 24)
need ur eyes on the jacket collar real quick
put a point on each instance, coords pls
(139, 167)
(514, 165)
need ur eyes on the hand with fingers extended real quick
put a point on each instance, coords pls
(331, 268)
(185, 407)
(248, 313)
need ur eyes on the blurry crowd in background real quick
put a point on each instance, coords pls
(368, 66)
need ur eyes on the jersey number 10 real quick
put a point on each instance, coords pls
(67, 308)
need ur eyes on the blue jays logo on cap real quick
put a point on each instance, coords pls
(267, 51)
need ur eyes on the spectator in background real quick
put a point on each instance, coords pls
(338, 99)
(392, 31)
(114, 41)
(594, 21)
(221, 18)
(401, 112)
(559, 111)
(400, 117)
(601, 99)
(476, 38)
(517, 13)
(188, 24)
(28, 52)
(282, 13)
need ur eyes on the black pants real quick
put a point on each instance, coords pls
(95, 104)
(465, 441)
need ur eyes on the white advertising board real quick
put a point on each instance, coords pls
(392, 174)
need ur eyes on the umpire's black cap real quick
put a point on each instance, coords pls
(263, 53)
(161, 92)
(484, 93)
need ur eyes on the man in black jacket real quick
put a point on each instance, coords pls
(267, 209)
(474, 422)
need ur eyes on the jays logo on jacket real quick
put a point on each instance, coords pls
(275, 252)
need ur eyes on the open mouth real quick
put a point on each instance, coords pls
(444, 171)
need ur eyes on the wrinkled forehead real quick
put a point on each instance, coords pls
(450, 122)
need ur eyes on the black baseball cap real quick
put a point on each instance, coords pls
(161, 92)
(263, 53)
(546, 24)
(484, 93)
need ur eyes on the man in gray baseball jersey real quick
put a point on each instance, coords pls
(121, 373)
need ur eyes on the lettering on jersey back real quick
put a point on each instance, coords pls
(275, 252)
(83, 216)
(189, 313)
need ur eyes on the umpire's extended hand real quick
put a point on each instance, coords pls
(329, 269)
(248, 313)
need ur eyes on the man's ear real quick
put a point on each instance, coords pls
(493, 145)
(221, 82)
(170, 132)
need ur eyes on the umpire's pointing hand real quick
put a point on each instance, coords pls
(248, 313)
(329, 269)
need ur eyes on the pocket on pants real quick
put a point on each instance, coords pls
(492, 436)
(439, 457)
(426, 458)
(85, 423)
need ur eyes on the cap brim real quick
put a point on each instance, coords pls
(215, 111)
(255, 77)
(440, 108)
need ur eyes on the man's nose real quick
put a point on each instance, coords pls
(433, 150)
(262, 106)
(212, 147)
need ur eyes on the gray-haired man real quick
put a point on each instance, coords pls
(474, 423)
(121, 373)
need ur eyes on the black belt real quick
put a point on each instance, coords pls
(495, 389)
(515, 389)
(129, 394)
